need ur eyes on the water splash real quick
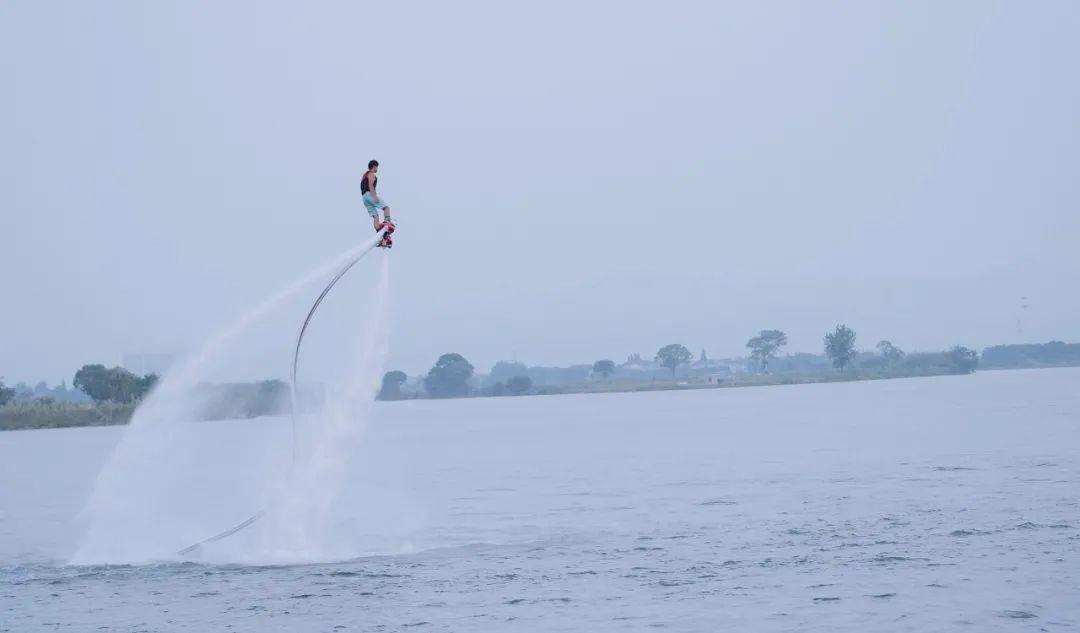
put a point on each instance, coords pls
(300, 528)
(160, 489)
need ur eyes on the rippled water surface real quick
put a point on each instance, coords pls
(906, 505)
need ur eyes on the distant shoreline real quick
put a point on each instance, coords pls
(31, 416)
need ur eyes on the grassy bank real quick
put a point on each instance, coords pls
(743, 380)
(59, 415)
(62, 415)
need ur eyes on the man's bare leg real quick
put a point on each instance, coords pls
(386, 219)
(386, 225)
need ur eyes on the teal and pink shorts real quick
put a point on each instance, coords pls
(372, 206)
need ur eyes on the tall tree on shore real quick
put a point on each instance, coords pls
(519, 385)
(604, 367)
(671, 356)
(505, 370)
(765, 346)
(93, 381)
(892, 353)
(964, 360)
(840, 346)
(115, 384)
(449, 377)
(145, 384)
(7, 394)
(391, 385)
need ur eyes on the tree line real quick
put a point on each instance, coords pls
(118, 386)
(452, 374)
(839, 348)
(115, 384)
(1054, 353)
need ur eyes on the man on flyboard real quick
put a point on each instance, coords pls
(373, 203)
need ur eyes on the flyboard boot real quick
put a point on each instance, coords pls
(386, 241)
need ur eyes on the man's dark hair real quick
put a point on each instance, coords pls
(372, 163)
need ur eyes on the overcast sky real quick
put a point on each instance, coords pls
(574, 180)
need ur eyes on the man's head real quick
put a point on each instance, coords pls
(373, 165)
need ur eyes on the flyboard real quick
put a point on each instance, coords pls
(381, 240)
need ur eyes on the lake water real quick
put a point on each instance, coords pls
(948, 503)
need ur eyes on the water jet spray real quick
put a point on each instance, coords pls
(378, 240)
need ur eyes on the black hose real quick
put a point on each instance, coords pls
(292, 393)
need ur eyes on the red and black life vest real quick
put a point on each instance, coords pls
(364, 183)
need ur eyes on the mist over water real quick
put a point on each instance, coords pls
(174, 480)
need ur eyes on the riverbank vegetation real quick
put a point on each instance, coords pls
(674, 367)
(106, 396)
(58, 415)
(1052, 354)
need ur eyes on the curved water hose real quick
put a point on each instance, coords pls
(292, 392)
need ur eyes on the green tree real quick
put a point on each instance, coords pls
(116, 384)
(840, 346)
(671, 356)
(765, 345)
(505, 370)
(962, 359)
(449, 377)
(93, 380)
(604, 367)
(519, 385)
(892, 353)
(1031, 355)
(391, 385)
(146, 383)
(127, 387)
(7, 394)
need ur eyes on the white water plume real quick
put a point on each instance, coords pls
(299, 527)
(173, 480)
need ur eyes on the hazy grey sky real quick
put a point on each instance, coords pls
(574, 180)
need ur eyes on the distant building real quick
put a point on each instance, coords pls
(716, 367)
(718, 374)
(635, 362)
